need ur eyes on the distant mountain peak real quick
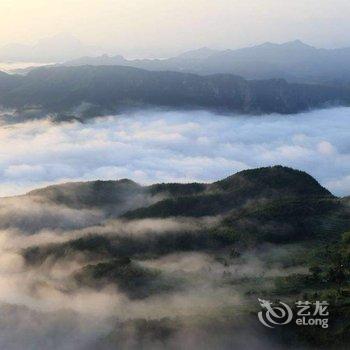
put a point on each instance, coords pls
(201, 53)
(294, 44)
(297, 44)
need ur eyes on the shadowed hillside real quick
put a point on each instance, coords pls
(88, 91)
(176, 260)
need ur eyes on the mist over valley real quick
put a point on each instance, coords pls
(174, 175)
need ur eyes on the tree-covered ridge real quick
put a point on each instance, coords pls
(96, 90)
(273, 204)
(272, 233)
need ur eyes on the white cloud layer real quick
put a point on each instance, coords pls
(162, 146)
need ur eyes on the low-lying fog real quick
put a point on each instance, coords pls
(194, 299)
(43, 308)
(164, 146)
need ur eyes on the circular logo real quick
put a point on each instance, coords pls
(273, 315)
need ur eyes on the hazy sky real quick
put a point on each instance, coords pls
(167, 26)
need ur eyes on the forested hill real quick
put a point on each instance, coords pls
(273, 203)
(96, 90)
(271, 232)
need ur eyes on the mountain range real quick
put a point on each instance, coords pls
(88, 91)
(294, 61)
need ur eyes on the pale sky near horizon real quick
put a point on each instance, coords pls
(168, 26)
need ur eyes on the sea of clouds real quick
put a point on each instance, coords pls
(168, 146)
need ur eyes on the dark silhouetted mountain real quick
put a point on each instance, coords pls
(114, 197)
(270, 183)
(8, 83)
(264, 183)
(89, 194)
(279, 180)
(95, 90)
(273, 204)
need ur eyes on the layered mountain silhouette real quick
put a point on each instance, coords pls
(294, 61)
(96, 90)
(253, 198)
(263, 183)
